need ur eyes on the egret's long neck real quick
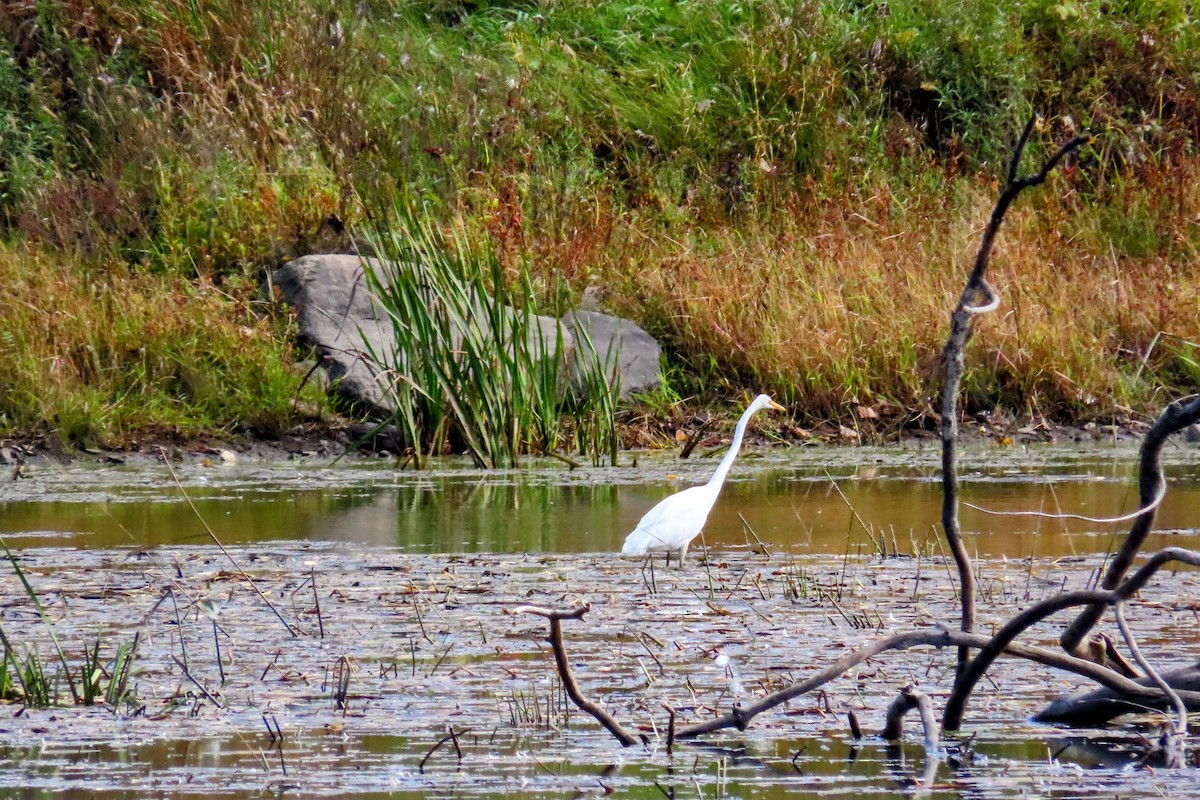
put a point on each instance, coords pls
(718, 477)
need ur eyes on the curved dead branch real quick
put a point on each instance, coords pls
(564, 668)
(1176, 737)
(1154, 504)
(908, 699)
(1174, 418)
(1094, 598)
(740, 716)
(978, 297)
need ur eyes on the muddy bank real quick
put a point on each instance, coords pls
(341, 438)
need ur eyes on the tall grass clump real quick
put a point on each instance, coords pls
(100, 359)
(474, 364)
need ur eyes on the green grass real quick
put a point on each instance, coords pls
(99, 359)
(88, 682)
(782, 192)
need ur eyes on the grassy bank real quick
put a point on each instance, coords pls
(787, 194)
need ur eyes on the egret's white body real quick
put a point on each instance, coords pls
(672, 524)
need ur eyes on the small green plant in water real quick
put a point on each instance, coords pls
(92, 682)
(473, 363)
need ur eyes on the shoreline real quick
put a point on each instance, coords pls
(342, 438)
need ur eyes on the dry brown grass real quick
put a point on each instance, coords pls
(847, 303)
(96, 358)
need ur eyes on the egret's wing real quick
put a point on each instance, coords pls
(672, 523)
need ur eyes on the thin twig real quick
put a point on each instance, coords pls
(449, 737)
(1154, 504)
(198, 684)
(670, 729)
(312, 574)
(1173, 749)
(179, 628)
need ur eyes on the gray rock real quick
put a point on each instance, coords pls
(342, 322)
(619, 343)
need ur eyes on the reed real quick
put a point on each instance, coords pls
(474, 363)
(88, 683)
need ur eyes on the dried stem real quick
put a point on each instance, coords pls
(249, 581)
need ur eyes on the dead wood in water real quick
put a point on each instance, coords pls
(978, 667)
(1176, 417)
(564, 668)
(908, 699)
(740, 716)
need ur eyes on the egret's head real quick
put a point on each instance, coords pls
(764, 401)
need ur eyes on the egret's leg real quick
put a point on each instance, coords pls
(682, 555)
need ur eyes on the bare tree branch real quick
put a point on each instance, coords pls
(564, 669)
(740, 717)
(908, 699)
(978, 297)
(1174, 741)
(1174, 418)
(1095, 598)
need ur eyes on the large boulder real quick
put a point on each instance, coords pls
(354, 338)
(343, 323)
(621, 346)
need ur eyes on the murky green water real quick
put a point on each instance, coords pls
(408, 580)
(811, 500)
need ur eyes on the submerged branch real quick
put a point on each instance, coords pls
(935, 637)
(908, 699)
(990, 648)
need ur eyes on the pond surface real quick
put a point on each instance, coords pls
(821, 500)
(394, 590)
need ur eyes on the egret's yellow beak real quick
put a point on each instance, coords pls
(777, 407)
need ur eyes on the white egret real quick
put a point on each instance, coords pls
(672, 524)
